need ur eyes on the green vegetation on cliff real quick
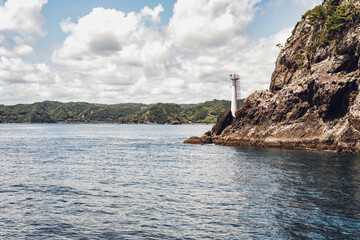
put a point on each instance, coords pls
(81, 112)
(333, 18)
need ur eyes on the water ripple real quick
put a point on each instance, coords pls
(141, 182)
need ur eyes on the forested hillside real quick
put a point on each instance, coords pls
(81, 112)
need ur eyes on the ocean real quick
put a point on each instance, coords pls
(107, 181)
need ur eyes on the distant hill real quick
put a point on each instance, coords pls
(159, 113)
(81, 112)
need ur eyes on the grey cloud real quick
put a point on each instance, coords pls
(14, 81)
(104, 44)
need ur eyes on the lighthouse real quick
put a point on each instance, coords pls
(235, 92)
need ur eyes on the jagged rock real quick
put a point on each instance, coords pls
(194, 140)
(205, 139)
(314, 97)
(224, 119)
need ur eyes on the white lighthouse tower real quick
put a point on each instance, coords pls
(235, 92)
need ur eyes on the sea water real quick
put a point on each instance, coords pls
(94, 181)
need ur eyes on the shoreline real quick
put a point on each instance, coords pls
(112, 123)
(315, 145)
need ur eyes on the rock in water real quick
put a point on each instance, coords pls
(224, 119)
(314, 99)
(194, 140)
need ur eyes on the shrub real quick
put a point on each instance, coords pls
(299, 59)
(334, 17)
(344, 14)
(318, 14)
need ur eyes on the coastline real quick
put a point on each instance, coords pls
(75, 123)
(313, 100)
(296, 144)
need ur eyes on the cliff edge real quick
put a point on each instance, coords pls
(314, 99)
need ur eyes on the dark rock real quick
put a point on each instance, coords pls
(355, 122)
(208, 133)
(314, 97)
(224, 119)
(321, 54)
(205, 139)
(194, 140)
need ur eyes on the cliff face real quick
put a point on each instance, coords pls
(314, 99)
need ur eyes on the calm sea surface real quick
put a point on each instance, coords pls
(140, 182)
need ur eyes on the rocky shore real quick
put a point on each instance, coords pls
(313, 100)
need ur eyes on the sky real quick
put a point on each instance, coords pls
(118, 51)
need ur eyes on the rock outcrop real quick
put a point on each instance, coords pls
(224, 120)
(314, 99)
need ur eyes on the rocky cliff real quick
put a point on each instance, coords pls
(314, 99)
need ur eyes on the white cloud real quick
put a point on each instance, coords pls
(21, 27)
(187, 61)
(24, 18)
(66, 25)
(308, 3)
(304, 3)
(110, 56)
(153, 13)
